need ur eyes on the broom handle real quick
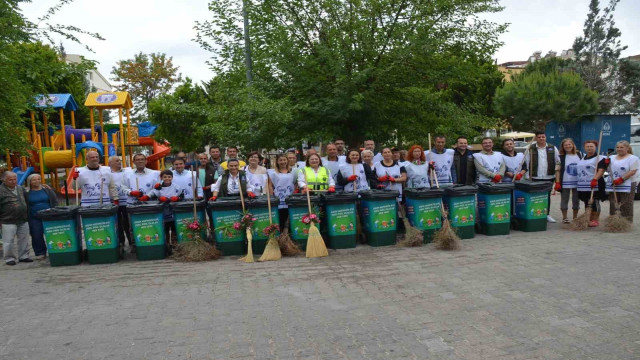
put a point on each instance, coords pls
(433, 174)
(241, 196)
(101, 186)
(597, 162)
(269, 201)
(193, 189)
(76, 185)
(353, 168)
(308, 196)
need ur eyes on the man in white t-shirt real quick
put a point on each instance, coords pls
(542, 161)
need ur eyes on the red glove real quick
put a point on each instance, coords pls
(607, 161)
(392, 179)
(432, 164)
(251, 195)
(296, 191)
(497, 178)
(157, 186)
(116, 202)
(383, 178)
(135, 193)
(618, 181)
(174, 199)
(352, 178)
(331, 189)
(518, 176)
(557, 186)
(143, 198)
(75, 174)
(380, 186)
(206, 188)
(199, 198)
(594, 183)
(163, 199)
(213, 198)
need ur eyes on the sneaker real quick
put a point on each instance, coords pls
(11, 262)
(565, 221)
(550, 219)
(27, 260)
(594, 223)
(41, 257)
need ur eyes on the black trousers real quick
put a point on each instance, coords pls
(124, 228)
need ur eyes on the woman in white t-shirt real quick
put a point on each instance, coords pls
(567, 178)
(283, 184)
(623, 179)
(389, 173)
(256, 174)
(417, 168)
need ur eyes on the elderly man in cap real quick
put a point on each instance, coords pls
(13, 218)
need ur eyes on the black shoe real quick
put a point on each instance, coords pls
(11, 262)
(27, 260)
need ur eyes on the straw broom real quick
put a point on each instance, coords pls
(412, 237)
(249, 257)
(272, 250)
(445, 238)
(616, 223)
(315, 243)
(581, 222)
(287, 246)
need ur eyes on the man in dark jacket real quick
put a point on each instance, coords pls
(464, 170)
(13, 218)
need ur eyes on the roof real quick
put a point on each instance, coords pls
(109, 100)
(56, 101)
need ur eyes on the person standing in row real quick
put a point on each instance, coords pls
(417, 168)
(215, 158)
(118, 176)
(342, 152)
(390, 175)
(332, 162)
(232, 153)
(371, 146)
(355, 173)
(514, 164)
(231, 182)
(283, 183)
(256, 174)
(13, 218)
(590, 171)
(441, 159)
(367, 157)
(567, 178)
(184, 179)
(623, 180)
(38, 198)
(94, 181)
(542, 158)
(207, 174)
(489, 164)
(464, 170)
(314, 176)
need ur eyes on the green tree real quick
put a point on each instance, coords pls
(145, 77)
(532, 99)
(598, 62)
(392, 70)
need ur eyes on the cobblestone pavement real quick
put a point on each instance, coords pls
(550, 295)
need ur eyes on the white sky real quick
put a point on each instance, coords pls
(167, 26)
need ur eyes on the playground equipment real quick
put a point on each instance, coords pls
(65, 148)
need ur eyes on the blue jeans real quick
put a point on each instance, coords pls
(37, 237)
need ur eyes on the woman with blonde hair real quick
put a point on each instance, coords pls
(567, 178)
(623, 179)
(39, 197)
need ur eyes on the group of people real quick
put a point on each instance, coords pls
(577, 176)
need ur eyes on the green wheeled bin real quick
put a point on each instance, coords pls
(298, 208)
(99, 227)
(259, 208)
(531, 205)
(340, 211)
(380, 216)
(183, 215)
(424, 210)
(494, 208)
(225, 212)
(460, 203)
(147, 228)
(61, 235)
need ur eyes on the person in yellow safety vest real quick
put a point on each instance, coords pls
(315, 176)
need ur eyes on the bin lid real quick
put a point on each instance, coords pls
(489, 188)
(261, 201)
(301, 199)
(227, 202)
(58, 213)
(424, 193)
(188, 205)
(98, 210)
(148, 207)
(534, 186)
(379, 194)
(460, 190)
(339, 198)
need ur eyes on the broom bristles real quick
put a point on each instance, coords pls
(272, 250)
(412, 238)
(446, 238)
(249, 257)
(617, 224)
(287, 246)
(315, 243)
(581, 222)
(194, 251)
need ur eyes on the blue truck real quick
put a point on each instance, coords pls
(614, 128)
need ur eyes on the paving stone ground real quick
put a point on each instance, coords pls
(549, 295)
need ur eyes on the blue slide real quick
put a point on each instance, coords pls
(23, 175)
